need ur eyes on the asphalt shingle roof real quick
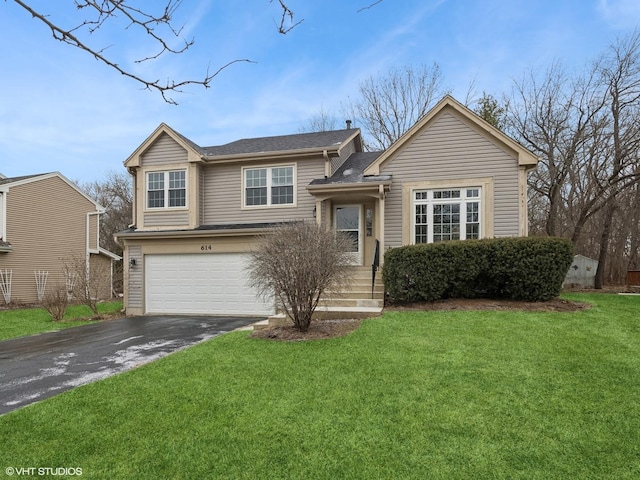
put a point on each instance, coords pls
(281, 143)
(352, 170)
(4, 181)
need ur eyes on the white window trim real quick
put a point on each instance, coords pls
(486, 203)
(269, 185)
(166, 190)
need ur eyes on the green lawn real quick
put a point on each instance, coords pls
(451, 395)
(28, 321)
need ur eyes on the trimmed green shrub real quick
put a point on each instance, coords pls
(531, 269)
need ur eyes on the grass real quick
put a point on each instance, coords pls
(451, 395)
(28, 321)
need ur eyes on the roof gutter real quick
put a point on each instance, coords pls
(282, 154)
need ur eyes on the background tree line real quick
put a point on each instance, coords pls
(584, 126)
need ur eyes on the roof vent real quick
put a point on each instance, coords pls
(347, 172)
(348, 122)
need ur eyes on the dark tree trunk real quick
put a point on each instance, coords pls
(604, 245)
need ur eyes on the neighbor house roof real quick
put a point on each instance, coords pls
(14, 181)
(7, 180)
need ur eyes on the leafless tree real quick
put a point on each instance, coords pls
(155, 23)
(393, 102)
(115, 193)
(322, 121)
(586, 132)
(299, 262)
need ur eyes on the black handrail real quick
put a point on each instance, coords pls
(374, 266)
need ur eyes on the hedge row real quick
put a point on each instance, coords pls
(530, 268)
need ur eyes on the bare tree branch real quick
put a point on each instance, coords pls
(286, 21)
(369, 6)
(107, 9)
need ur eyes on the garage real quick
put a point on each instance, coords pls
(208, 284)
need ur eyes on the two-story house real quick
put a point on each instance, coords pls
(46, 224)
(198, 210)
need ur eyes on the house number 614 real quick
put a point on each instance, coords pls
(205, 247)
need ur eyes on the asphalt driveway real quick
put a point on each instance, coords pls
(39, 366)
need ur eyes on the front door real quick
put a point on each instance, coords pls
(348, 219)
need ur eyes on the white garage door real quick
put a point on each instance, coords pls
(213, 284)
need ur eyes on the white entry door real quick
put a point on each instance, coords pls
(348, 220)
(206, 284)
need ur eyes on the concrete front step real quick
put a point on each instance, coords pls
(352, 302)
(323, 313)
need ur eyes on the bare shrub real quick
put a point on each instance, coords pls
(299, 262)
(91, 281)
(55, 302)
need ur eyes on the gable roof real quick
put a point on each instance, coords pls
(523, 155)
(282, 145)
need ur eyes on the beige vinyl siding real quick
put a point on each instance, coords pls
(46, 224)
(133, 277)
(449, 149)
(101, 265)
(223, 191)
(166, 219)
(164, 151)
(94, 235)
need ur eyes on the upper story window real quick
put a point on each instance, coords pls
(269, 186)
(446, 214)
(167, 189)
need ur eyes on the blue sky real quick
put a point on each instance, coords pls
(60, 110)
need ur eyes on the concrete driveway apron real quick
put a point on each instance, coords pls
(39, 366)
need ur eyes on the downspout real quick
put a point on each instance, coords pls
(327, 164)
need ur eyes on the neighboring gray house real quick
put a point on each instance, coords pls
(198, 210)
(45, 221)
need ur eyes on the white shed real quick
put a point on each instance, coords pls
(582, 273)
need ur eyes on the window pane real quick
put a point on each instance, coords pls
(177, 189)
(155, 199)
(282, 176)
(156, 181)
(256, 196)
(281, 195)
(176, 179)
(421, 195)
(473, 193)
(177, 198)
(421, 225)
(155, 191)
(256, 177)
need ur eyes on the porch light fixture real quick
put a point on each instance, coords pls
(132, 262)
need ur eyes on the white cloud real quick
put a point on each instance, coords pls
(620, 13)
